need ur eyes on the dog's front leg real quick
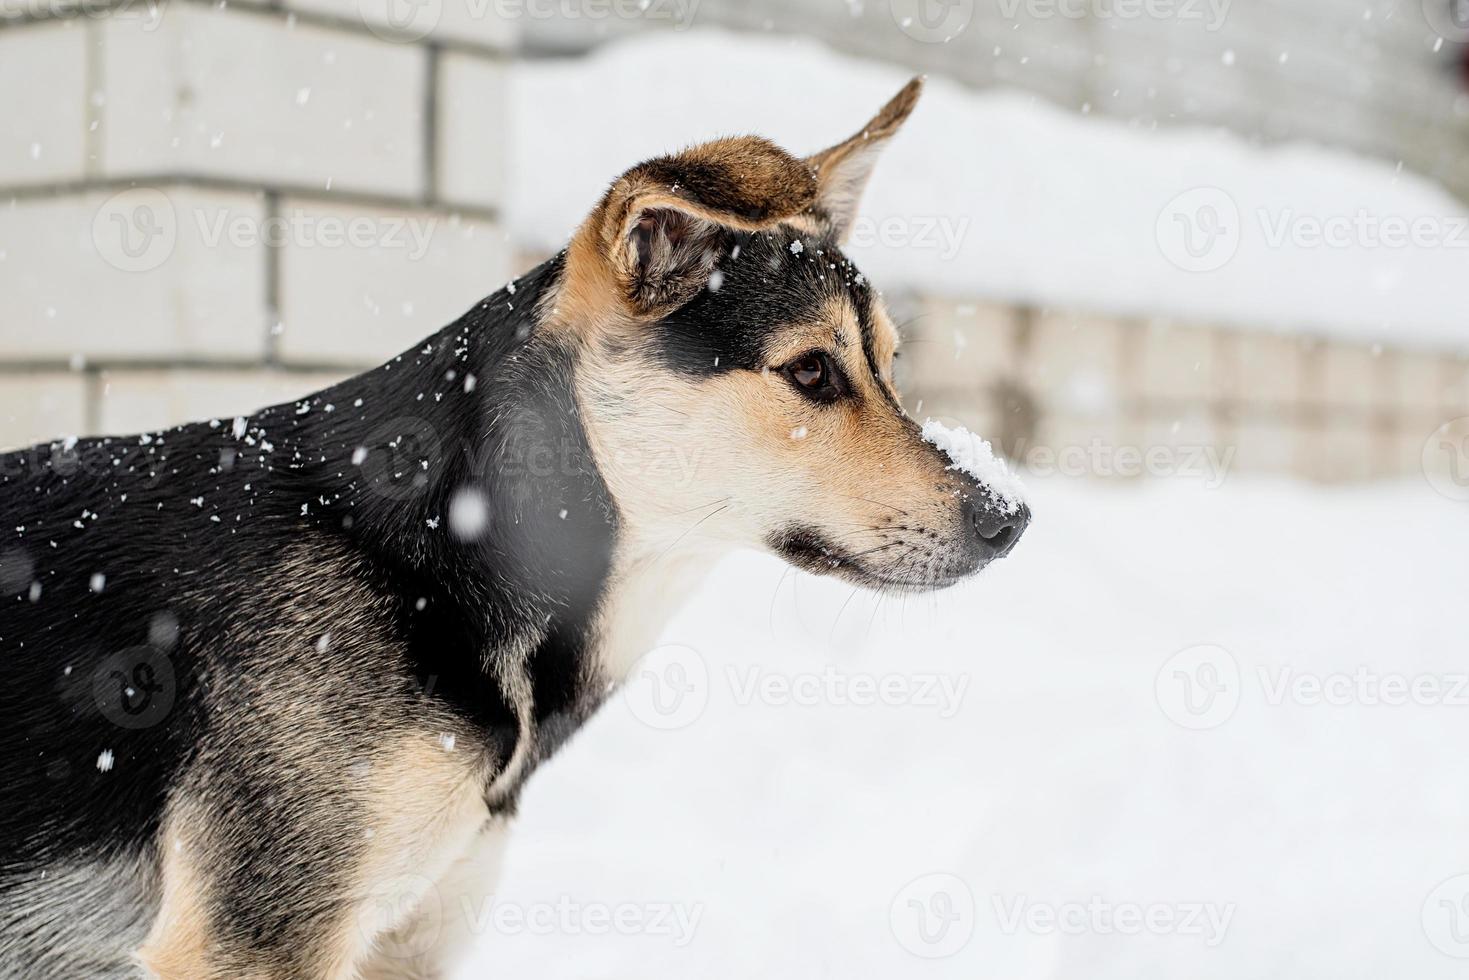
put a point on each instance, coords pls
(453, 914)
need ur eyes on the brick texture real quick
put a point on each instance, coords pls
(41, 407)
(253, 97)
(409, 273)
(137, 275)
(144, 401)
(43, 77)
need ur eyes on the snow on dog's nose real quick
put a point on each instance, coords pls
(995, 509)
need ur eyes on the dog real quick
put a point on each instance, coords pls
(275, 682)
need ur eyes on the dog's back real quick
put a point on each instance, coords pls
(170, 610)
(92, 530)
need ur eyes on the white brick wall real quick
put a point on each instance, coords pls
(207, 208)
(43, 78)
(254, 201)
(974, 349)
(411, 273)
(1266, 404)
(39, 407)
(1074, 364)
(68, 286)
(473, 129)
(1176, 362)
(483, 23)
(257, 97)
(140, 401)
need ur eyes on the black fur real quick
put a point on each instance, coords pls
(763, 287)
(189, 527)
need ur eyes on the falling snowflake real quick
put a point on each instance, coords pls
(469, 514)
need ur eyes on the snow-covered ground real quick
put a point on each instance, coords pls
(1048, 772)
(999, 195)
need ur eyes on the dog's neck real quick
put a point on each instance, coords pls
(479, 418)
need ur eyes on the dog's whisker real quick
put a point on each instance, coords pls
(877, 502)
(687, 530)
(678, 513)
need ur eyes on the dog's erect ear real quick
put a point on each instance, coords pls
(842, 170)
(664, 224)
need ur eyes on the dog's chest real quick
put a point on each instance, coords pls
(643, 594)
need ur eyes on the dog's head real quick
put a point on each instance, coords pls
(736, 375)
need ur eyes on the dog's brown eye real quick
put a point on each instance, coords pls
(814, 376)
(809, 371)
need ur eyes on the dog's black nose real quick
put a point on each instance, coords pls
(996, 529)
